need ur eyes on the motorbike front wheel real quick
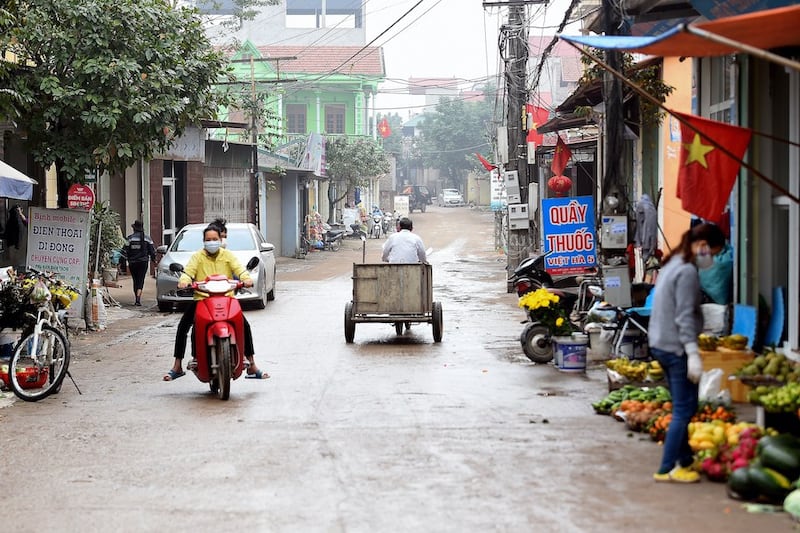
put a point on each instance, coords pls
(536, 342)
(224, 370)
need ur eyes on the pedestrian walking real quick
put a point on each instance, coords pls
(675, 322)
(139, 251)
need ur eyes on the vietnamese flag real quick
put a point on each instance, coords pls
(560, 157)
(536, 116)
(707, 174)
(383, 128)
(488, 166)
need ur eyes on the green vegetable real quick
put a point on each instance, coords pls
(781, 456)
(783, 440)
(791, 504)
(768, 483)
(739, 485)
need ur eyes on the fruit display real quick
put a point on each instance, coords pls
(735, 450)
(612, 402)
(769, 475)
(783, 399)
(658, 427)
(710, 411)
(733, 342)
(635, 370)
(772, 365)
(707, 342)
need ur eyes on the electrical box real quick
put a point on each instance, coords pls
(614, 232)
(617, 285)
(518, 216)
(512, 185)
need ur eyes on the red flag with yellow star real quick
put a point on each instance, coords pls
(707, 174)
(383, 128)
(561, 156)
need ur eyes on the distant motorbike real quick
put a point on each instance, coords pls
(376, 232)
(218, 332)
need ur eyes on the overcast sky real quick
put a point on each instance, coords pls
(442, 38)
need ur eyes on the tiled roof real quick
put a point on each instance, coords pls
(537, 44)
(571, 69)
(323, 59)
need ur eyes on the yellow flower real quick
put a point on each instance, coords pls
(559, 321)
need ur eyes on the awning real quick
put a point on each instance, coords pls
(14, 184)
(771, 28)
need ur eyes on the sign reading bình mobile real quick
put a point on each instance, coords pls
(569, 236)
(80, 197)
(58, 242)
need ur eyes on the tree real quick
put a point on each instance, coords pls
(452, 133)
(108, 82)
(350, 162)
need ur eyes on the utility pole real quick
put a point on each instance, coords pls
(613, 181)
(516, 66)
(515, 44)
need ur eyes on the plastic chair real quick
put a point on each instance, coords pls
(744, 322)
(774, 332)
(633, 316)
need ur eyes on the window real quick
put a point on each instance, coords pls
(334, 118)
(324, 14)
(295, 118)
(718, 96)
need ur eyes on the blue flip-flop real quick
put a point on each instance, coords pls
(258, 374)
(172, 375)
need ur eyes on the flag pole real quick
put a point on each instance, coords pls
(650, 98)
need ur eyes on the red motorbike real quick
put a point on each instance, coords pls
(218, 332)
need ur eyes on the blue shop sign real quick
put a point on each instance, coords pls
(569, 236)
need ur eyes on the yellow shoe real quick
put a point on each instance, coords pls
(679, 474)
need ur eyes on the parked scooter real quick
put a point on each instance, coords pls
(218, 332)
(530, 275)
(332, 238)
(357, 231)
(572, 291)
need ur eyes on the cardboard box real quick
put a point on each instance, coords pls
(729, 361)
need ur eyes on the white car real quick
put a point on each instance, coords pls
(244, 240)
(450, 198)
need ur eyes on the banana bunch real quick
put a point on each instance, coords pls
(636, 370)
(654, 371)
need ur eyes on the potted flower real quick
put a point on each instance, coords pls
(106, 239)
(543, 307)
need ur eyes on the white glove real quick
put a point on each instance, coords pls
(694, 363)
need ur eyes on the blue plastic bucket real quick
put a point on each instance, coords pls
(570, 353)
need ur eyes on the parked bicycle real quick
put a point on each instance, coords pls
(40, 360)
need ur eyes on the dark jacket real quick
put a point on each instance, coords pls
(139, 248)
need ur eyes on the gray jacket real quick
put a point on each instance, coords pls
(676, 318)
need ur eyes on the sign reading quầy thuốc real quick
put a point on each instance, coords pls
(569, 236)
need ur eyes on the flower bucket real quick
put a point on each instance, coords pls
(570, 352)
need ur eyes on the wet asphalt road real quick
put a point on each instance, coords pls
(387, 434)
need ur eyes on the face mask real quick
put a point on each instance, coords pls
(704, 259)
(211, 247)
(224, 242)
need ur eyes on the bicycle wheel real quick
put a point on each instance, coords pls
(38, 365)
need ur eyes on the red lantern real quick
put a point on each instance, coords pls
(560, 184)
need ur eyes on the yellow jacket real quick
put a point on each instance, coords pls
(202, 265)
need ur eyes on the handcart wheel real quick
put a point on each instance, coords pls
(349, 324)
(536, 343)
(438, 327)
